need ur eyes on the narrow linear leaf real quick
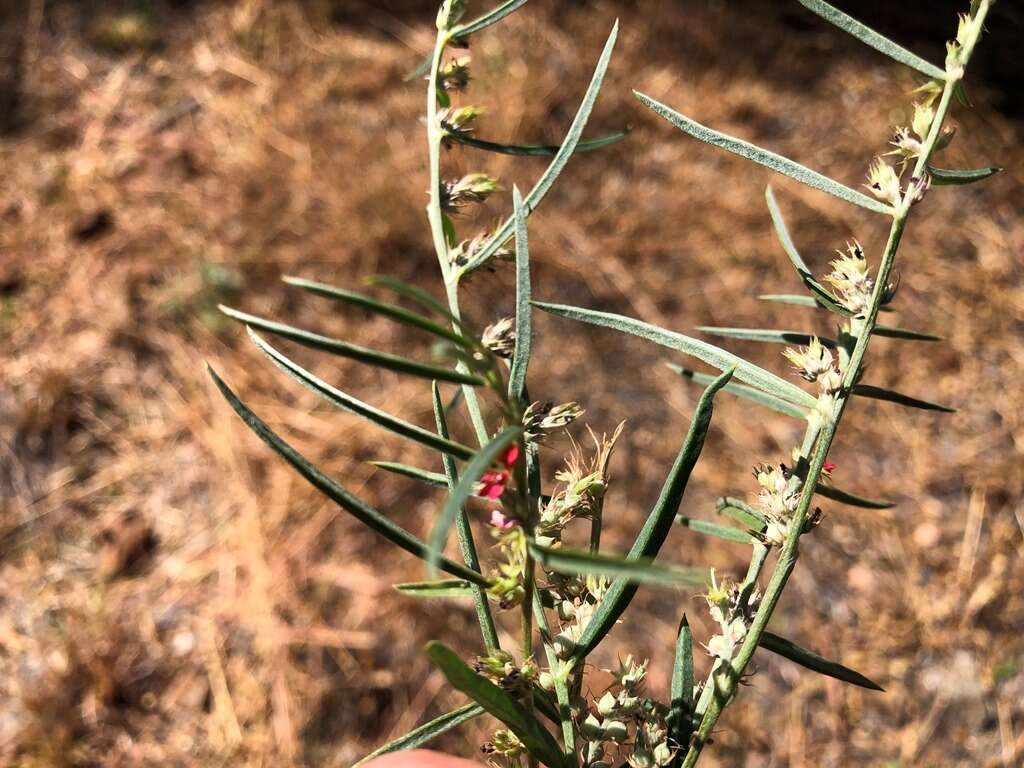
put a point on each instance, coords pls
(536, 150)
(680, 717)
(420, 70)
(791, 298)
(426, 732)
(581, 562)
(418, 295)
(558, 162)
(741, 512)
(524, 324)
(845, 497)
(493, 16)
(396, 313)
(348, 403)
(710, 354)
(362, 354)
(753, 394)
(873, 39)
(436, 589)
(823, 297)
(364, 513)
(804, 301)
(812, 661)
(488, 629)
(766, 335)
(764, 157)
(540, 743)
(474, 470)
(946, 177)
(879, 393)
(423, 475)
(902, 333)
(713, 529)
(658, 524)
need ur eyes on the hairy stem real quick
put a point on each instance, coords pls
(721, 684)
(436, 219)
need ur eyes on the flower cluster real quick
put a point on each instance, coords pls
(500, 668)
(621, 706)
(500, 337)
(504, 744)
(471, 188)
(733, 612)
(851, 279)
(541, 419)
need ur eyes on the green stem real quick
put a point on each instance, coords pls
(721, 684)
(435, 216)
(561, 685)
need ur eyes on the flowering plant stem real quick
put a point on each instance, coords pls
(725, 676)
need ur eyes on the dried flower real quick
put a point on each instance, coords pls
(883, 182)
(811, 361)
(541, 419)
(471, 188)
(500, 337)
(454, 76)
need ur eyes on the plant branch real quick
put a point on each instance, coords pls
(721, 684)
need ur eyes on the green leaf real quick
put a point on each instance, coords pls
(344, 349)
(493, 16)
(945, 176)
(791, 298)
(713, 529)
(680, 717)
(845, 497)
(770, 160)
(348, 403)
(336, 493)
(524, 325)
(438, 588)
(811, 660)
(766, 335)
(418, 295)
(902, 333)
(710, 354)
(540, 743)
(658, 524)
(581, 562)
(805, 301)
(742, 512)
(879, 393)
(396, 313)
(474, 470)
(873, 39)
(426, 732)
(423, 475)
(536, 150)
(558, 162)
(820, 294)
(485, 618)
(742, 390)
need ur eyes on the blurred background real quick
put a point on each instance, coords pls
(171, 594)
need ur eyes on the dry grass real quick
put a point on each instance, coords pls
(172, 595)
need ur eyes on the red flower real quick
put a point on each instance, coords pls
(829, 466)
(492, 483)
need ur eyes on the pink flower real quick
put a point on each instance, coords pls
(493, 482)
(498, 520)
(829, 466)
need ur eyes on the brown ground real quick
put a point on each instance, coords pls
(170, 594)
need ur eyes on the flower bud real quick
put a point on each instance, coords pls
(615, 730)
(591, 728)
(608, 705)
